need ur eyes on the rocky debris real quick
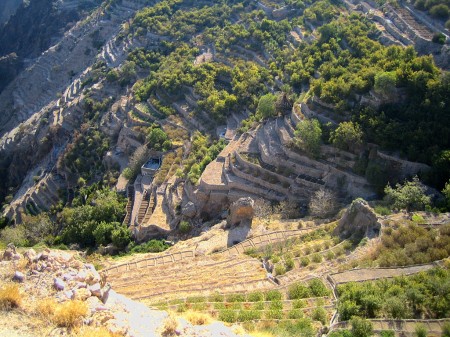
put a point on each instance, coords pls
(62, 276)
(189, 210)
(10, 253)
(30, 254)
(359, 220)
(241, 211)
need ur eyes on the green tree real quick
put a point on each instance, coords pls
(158, 140)
(266, 106)
(410, 196)
(385, 82)
(439, 11)
(446, 193)
(308, 136)
(121, 237)
(348, 136)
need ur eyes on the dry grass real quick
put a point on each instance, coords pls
(97, 332)
(70, 314)
(170, 326)
(197, 318)
(46, 308)
(10, 296)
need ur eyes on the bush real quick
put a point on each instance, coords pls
(46, 307)
(298, 290)
(304, 261)
(446, 329)
(320, 314)
(439, 11)
(298, 304)
(229, 316)
(295, 314)
(216, 298)
(410, 196)
(185, 227)
(255, 297)
(170, 326)
(248, 315)
(289, 263)
(274, 314)
(236, 298)
(280, 269)
(317, 288)
(10, 297)
(96, 332)
(70, 314)
(316, 258)
(382, 210)
(273, 295)
(361, 327)
(438, 38)
(420, 330)
(197, 318)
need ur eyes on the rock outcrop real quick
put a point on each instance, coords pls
(241, 211)
(358, 220)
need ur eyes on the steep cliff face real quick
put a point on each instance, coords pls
(8, 8)
(33, 28)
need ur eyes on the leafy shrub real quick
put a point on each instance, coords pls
(304, 261)
(255, 297)
(229, 316)
(316, 258)
(248, 315)
(361, 327)
(298, 290)
(185, 227)
(382, 210)
(280, 269)
(195, 299)
(274, 314)
(152, 246)
(295, 314)
(170, 326)
(273, 295)
(216, 297)
(298, 304)
(317, 288)
(236, 298)
(320, 314)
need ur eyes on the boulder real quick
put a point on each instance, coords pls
(9, 252)
(359, 220)
(18, 276)
(81, 294)
(241, 211)
(59, 284)
(189, 210)
(96, 289)
(30, 254)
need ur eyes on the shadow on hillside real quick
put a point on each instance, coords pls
(238, 233)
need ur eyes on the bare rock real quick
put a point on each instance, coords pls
(92, 275)
(30, 254)
(108, 250)
(241, 211)
(96, 289)
(9, 252)
(18, 276)
(16, 257)
(189, 210)
(93, 303)
(59, 284)
(81, 294)
(359, 220)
